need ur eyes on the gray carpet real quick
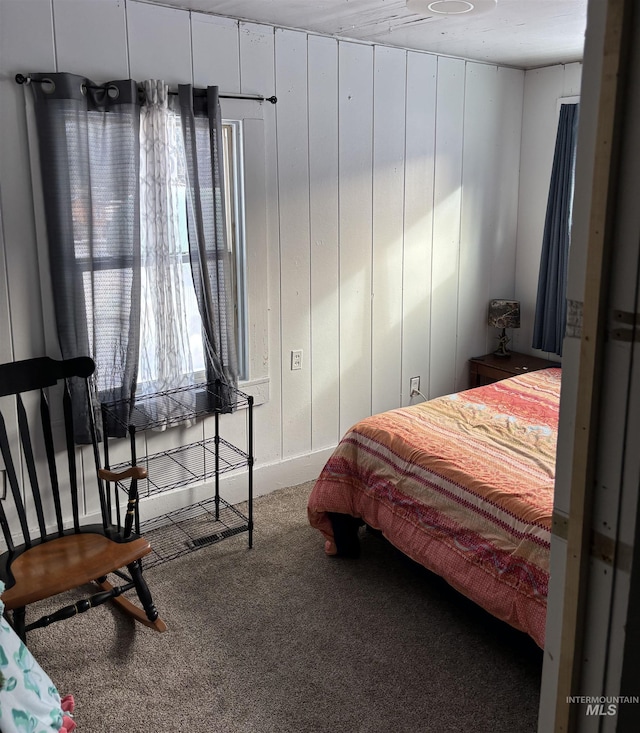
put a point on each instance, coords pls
(281, 639)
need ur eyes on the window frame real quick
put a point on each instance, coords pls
(237, 231)
(254, 171)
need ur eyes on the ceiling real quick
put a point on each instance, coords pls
(521, 33)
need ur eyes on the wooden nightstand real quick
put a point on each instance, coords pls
(491, 368)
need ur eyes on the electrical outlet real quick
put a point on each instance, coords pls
(296, 359)
(414, 386)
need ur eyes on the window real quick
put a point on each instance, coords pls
(233, 183)
(96, 145)
(254, 186)
(234, 200)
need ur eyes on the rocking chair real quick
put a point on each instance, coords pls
(51, 559)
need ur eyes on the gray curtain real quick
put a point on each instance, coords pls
(88, 138)
(208, 251)
(551, 303)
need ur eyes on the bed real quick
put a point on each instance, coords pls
(462, 484)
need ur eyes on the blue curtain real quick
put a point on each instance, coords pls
(551, 303)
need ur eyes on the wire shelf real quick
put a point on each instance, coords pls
(192, 528)
(203, 523)
(163, 409)
(185, 465)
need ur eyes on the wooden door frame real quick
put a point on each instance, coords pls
(604, 182)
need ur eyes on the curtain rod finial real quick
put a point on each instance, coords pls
(22, 79)
(273, 99)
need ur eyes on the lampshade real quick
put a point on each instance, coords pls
(504, 313)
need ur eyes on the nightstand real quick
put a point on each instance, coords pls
(491, 368)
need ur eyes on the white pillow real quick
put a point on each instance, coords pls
(29, 701)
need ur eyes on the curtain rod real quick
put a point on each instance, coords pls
(22, 79)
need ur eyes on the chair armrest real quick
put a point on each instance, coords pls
(135, 472)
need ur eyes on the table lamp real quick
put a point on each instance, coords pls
(504, 314)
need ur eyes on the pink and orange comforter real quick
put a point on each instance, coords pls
(463, 485)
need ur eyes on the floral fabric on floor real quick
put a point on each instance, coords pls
(29, 701)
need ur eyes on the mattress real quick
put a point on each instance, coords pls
(462, 484)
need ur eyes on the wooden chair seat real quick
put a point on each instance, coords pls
(68, 562)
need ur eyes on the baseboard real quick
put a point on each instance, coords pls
(234, 486)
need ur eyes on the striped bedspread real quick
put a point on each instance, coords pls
(462, 484)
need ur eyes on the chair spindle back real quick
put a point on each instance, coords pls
(30, 376)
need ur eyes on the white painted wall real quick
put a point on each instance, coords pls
(542, 89)
(391, 187)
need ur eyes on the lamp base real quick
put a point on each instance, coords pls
(503, 340)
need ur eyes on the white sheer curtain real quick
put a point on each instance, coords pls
(165, 355)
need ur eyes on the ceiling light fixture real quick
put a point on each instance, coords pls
(451, 7)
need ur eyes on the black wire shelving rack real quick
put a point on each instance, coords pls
(203, 523)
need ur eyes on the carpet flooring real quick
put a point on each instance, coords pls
(282, 639)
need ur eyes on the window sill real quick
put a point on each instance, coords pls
(257, 388)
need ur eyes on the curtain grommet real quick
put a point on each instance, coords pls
(48, 86)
